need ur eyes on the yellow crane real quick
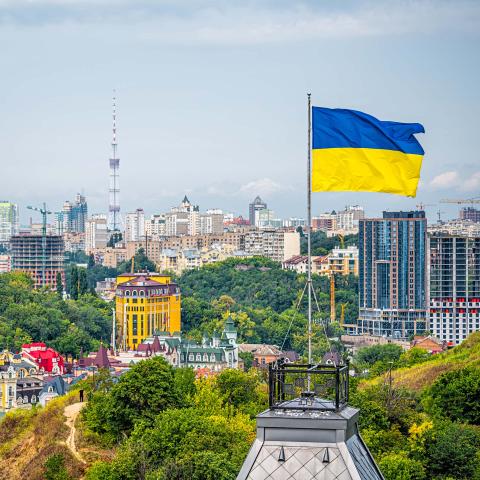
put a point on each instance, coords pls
(341, 237)
(342, 314)
(332, 297)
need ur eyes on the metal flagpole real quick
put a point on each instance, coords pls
(309, 227)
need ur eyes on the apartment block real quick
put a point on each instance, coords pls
(454, 272)
(392, 275)
(9, 221)
(96, 233)
(275, 244)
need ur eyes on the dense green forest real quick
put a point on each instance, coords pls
(321, 244)
(42, 316)
(262, 299)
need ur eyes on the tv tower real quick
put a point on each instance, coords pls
(114, 190)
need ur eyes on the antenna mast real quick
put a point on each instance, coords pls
(114, 190)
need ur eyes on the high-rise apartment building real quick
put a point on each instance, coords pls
(28, 256)
(73, 217)
(135, 225)
(145, 303)
(9, 222)
(392, 274)
(470, 213)
(454, 272)
(278, 245)
(96, 234)
(155, 226)
(253, 209)
(348, 219)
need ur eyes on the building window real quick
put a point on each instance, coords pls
(25, 399)
(190, 357)
(34, 399)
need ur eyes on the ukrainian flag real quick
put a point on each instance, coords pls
(353, 151)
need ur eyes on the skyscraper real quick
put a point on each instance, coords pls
(135, 226)
(73, 217)
(114, 219)
(454, 269)
(392, 274)
(9, 224)
(254, 208)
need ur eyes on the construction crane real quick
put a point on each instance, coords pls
(342, 314)
(460, 201)
(44, 213)
(439, 214)
(421, 205)
(332, 297)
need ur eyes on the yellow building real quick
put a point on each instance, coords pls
(145, 303)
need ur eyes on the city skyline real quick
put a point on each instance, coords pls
(236, 129)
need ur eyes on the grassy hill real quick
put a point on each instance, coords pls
(422, 375)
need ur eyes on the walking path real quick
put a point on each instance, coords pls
(71, 412)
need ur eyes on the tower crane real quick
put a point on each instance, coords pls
(421, 205)
(460, 201)
(44, 212)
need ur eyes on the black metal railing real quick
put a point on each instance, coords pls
(307, 387)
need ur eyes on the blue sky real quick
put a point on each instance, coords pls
(212, 97)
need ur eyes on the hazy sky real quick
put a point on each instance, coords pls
(212, 97)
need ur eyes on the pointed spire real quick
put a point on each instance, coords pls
(101, 358)
(281, 455)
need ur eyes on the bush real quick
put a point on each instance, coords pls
(397, 466)
(456, 395)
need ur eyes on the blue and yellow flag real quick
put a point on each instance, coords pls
(353, 151)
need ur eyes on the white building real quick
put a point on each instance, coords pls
(347, 220)
(96, 235)
(155, 226)
(275, 244)
(9, 223)
(135, 226)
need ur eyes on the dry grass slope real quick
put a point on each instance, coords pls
(28, 438)
(419, 376)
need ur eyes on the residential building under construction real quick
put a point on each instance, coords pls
(41, 261)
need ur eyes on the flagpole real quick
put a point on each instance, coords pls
(309, 229)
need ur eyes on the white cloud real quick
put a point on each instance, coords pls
(251, 22)
(445, 180)
(472, 182)
(262, 186)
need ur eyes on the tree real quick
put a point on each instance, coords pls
(397, 466)
(452, 450)
(456, 395)
(73, 282)
(91, 260)
(379, 353)
(55, 468)
(140, 394)
(59, 285)
(82, 281)
(240, 389)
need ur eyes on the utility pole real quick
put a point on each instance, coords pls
(44, 212)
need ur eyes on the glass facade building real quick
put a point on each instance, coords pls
(393, 275)
(454, 270)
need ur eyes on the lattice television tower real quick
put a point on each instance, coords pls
(114, 218)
